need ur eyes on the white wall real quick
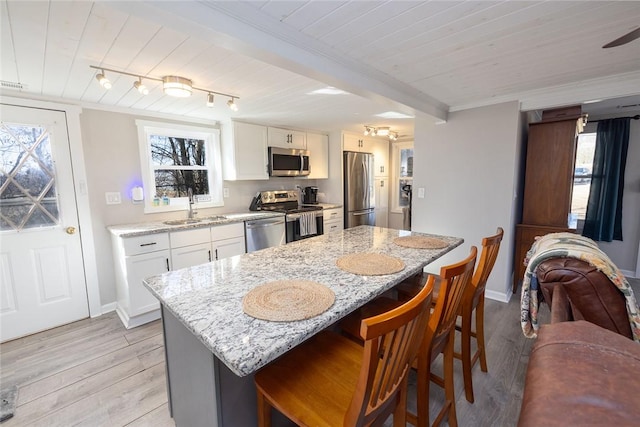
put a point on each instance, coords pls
(112, 159)
(469, 168)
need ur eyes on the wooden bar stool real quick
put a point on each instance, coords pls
(454, 280)
(473, 299)
(330, 381)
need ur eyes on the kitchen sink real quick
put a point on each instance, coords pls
(183, 221)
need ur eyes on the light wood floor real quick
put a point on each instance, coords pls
(97, 373)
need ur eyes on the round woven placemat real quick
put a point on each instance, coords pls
(288, 300)
(420, 242)
(370, 264)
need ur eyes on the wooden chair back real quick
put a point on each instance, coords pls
(454, 280)
(391, 343)
(488, 256)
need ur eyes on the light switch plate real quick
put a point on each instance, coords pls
(113, 198)
(421, 193)
(225, 192)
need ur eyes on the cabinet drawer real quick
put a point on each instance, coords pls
(331, 214)
(189, 237)
(333, 225)
(227, 231)
(145, 244)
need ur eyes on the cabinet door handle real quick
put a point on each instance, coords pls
(209, 255)
(148, 244)
(216, 253)
(167, 259)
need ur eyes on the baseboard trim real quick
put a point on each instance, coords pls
(108, 308)
(498, 296)
(629, 273)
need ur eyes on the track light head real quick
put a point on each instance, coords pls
(140, 87)
(209, 99)
(232, 104)
(103, 80)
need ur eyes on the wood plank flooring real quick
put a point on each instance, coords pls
(97, 373)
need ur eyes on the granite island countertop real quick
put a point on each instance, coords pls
(152, 227)
(207, 299)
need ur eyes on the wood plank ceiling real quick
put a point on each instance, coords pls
(405, 56)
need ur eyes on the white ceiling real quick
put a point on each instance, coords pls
(407, 56)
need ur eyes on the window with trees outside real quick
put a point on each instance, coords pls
(585, 150)
(176, 158)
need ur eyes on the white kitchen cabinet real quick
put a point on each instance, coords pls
(332, 219)
(244, 152)
(379, 147)
(206, 244)
(190, 247)
(381, 194)
(318, 147)
(227, 240)
(135, 259)
(287, 138)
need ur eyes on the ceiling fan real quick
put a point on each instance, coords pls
(629, 37)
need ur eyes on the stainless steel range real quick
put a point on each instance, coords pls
(302, 221)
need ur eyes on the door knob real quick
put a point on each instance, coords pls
(70, 230)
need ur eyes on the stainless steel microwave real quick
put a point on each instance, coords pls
(288, 162)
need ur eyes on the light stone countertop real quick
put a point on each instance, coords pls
(152, 227)
(207, 298)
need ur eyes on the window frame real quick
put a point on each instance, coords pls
(213, 158)
(397, 147)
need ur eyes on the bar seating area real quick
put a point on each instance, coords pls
(454, 280)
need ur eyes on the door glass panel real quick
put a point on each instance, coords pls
(28, 197)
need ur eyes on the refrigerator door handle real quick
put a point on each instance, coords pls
(361, 213)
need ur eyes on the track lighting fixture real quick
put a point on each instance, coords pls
(140, 87)
(380, 131)
(177, 86)
(103, 80)
(232, 104)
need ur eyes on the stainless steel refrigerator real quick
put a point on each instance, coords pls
(358, 189)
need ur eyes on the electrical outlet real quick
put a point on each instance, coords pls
(225, 192)
(421, 193)
(113, 198)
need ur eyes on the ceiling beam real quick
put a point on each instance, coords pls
(243, 29)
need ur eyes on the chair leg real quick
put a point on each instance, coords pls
(449, 390)
(264, 411)
(422, 392)
(480, 333)
(466, 356)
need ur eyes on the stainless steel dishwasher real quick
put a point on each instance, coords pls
(264, 233)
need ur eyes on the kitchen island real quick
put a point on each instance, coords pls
(213, 348)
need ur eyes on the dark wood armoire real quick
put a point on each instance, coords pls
(548, 184)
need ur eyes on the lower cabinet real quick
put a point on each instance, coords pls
(332, 219)
(135, 259)
(139, 257)
(381, 194)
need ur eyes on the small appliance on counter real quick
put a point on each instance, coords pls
(310, 195)
(301, 222)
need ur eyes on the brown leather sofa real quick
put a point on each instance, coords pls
(580, 374)
(584, 366)
(575, 290)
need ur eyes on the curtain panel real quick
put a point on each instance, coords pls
(603, 219)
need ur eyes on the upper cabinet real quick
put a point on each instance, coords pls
(379, 147)
(244, 151)
(287, 138)
(318, 147)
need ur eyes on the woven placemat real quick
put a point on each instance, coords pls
(288, 300)
(370, 264)
(420, 242)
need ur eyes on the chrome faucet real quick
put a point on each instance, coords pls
(190, 196)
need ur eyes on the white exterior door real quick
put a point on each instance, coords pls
(42, 281)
